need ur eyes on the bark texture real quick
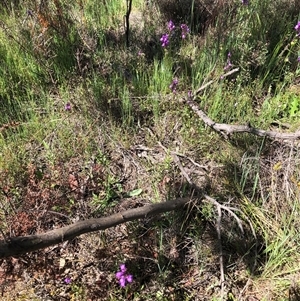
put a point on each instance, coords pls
(14, 246)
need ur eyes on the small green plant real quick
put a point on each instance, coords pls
(108, 197)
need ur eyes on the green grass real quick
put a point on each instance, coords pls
(113, 150)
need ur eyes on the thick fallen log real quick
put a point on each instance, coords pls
(14, 246)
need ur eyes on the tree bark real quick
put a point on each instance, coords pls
(19, 245)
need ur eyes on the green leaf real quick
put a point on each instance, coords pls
(135, 192)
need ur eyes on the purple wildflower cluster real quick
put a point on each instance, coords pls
(173, 85)
(228, 64)
(68, 106)
(184, 30)
(164, 40)
(171, 27)
(123, 276)
(297, 28)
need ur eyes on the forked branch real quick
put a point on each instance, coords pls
(228, 129)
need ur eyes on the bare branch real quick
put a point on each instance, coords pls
(219, 207)
(227, 129)
(221, 257)
(19, 245)
(228, 209)
(203, 87)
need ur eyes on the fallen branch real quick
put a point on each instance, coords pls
(230, 210)
(19, 245)
(203, 87)
(228, 129)
(219, 207)
(221, 257)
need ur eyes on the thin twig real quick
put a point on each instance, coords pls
(221, 257)
(228, 209)
(219, 207)
(218, 225)
(203, 87)
(244, 289)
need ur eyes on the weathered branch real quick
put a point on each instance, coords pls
(227, 129)
(19, 245)
(203, 87)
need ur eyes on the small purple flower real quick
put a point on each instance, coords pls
(164, 40)
(184, 30)
(298, 59)
(123, 268)
(68, 106)
(171, 25)
(173, 85)
(123, 276)
(229, 64)
(245, 2)
(67, 280)
(29, 13)
(297, 28)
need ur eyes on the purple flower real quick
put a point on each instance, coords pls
(123, 268)
(171, 25)
(141, 53)
(229, 64)
(68, 106)
(67, 280)
(297, 28)
(164, 40)
(298, 59)
(123, 276)
(173, 85)
(245, 2)
(184, 30)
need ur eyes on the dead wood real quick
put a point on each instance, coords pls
(19, 245)
(228, 129)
